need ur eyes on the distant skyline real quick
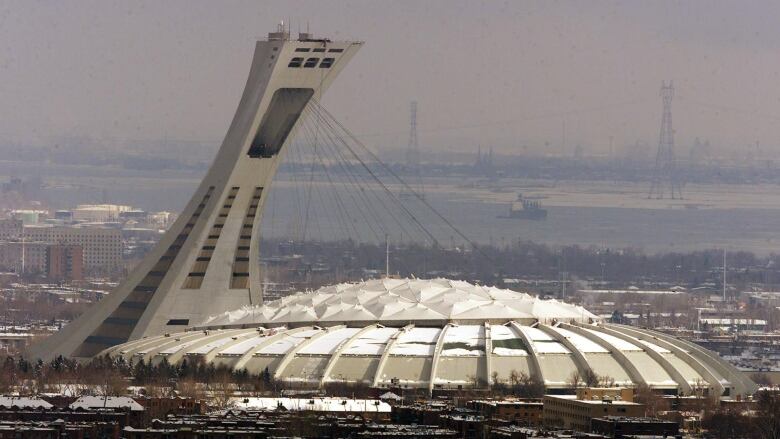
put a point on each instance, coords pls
(504, 74)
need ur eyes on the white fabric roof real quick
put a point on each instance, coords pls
(354, 353)
(404, 300)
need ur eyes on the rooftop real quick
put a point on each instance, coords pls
(404, 300)
(112, 402)
(316, 404)
(592, 401)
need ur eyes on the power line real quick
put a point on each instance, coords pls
(329, 120)
(346, 131)
(665, 173)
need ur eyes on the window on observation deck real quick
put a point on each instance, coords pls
(326, 63)
(302, 49)
(335, 50)
(311, 62)
(318, 49)
(295, 62)
(283, 112)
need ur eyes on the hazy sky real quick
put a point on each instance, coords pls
(503, 74)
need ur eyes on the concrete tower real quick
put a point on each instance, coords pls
(207, 263)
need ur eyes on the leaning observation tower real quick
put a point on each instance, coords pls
(203, 264)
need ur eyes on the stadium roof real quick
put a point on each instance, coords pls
(438, 334)
(403, 300)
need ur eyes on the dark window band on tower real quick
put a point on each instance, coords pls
(283, 112)
(198, 271)
(295, 62)
(240, 277)
(311, 62)
(115, 328)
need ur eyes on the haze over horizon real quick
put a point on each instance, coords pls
(500, 74)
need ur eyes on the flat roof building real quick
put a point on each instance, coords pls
(522, 412)
(569, 411)
(623, 426)
(64, 262)
(102, 247)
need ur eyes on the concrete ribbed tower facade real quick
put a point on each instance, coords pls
(207, 262)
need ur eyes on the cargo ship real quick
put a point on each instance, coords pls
(524, 208)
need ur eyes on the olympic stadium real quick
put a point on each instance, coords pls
(197, 296)
(437, 334)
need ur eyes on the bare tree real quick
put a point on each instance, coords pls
(222, 390)
(590, 378)
(7, 378)
(112, 383)
(768, 420)
(761, 378)
(497, 385)
(575, 380)
(526, 386)
(653, 402)
(606, 381)
(189, 388)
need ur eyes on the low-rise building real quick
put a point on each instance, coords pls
(519, 411)
(467, 426)
(160, 407)
(12, 343)
(420, 413)
(58, 429)
(368, 408)
(23, 403)
(577, 411)
(735, 324)
(106, 402)
(621, 426)
(99, 212)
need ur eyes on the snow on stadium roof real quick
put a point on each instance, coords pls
(403, 300)
(436, 334)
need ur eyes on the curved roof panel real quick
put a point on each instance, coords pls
(403, 300)
(438, 334)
